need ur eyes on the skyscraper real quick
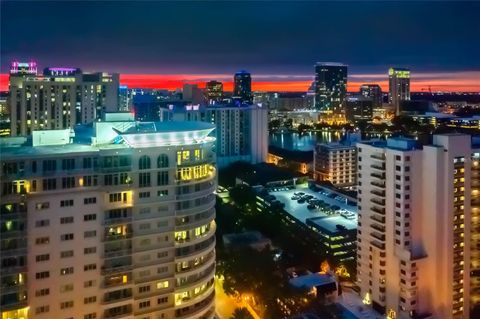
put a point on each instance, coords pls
(399, 87)
(419, 212)
(124, 98)
(193, 94)
(214, 92)
(373, 92)
(241, 131)
(330, 87)
(118, 221)
(242, 90)
(58, 99)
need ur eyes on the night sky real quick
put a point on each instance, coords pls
(270, 39)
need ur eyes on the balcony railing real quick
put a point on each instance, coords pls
(378, 227)
(378, 244)
(378, 167)
(378, 193)
(378, 235)
(378, 175)
(378, 201)
(378, 184)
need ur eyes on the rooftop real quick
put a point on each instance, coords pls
(312, 280)
(300, 211)
(330, 64)
(395, 143)
(330, 223)
(107, 135)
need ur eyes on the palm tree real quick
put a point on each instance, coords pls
(241, 313)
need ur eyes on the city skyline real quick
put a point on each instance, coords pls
(466, 81)
(151, 45)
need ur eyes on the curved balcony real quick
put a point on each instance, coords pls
(196, 194)
(204, 309)
(193, 210)
(194, 265)
(194, 279)
(197, 220)
(209, 245)
(188, 301)
(190, 241)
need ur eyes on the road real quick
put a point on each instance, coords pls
(226, 305)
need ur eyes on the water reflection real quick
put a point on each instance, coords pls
(303, 142)
(307, 141)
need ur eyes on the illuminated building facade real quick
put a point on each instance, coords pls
(373, 92)
(214, 92)
(58, 99)
(241, 131)
(124, 98)
(336, 163)
(399, 87)
(242, 87)
(193, 94)
(330, 87)
(358, 108)
(418, 226)
(117, 221)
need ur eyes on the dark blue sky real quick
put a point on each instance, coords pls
(221, 37)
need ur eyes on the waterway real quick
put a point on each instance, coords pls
(303, 142)
(294, 141)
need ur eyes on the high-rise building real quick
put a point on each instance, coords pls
(399, 87)
(330, 87)
(241, 131)
(193, 94)
(242, 90)
(58, 99)
(373, 92)
(419, 213)
(337, 162)
(124, 98)
(358, 108)
(4, 110)
(117, 221)
(214, 92)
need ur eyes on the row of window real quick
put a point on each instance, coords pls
(65, 237)
(64, 220)
(64, 271)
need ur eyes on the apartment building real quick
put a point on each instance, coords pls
(107, 222)
(418, 242)
(241, 131)
(336, 163)
(59, 98)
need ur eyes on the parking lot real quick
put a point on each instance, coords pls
(300, 210)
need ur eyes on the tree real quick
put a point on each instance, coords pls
(274, 125)
(243, 196)
(241, 313)
(228, 174)
(288, 123)
(303, 128)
